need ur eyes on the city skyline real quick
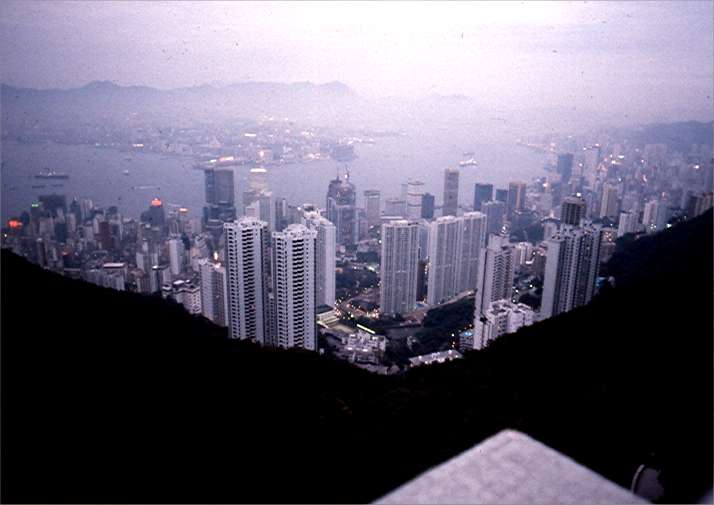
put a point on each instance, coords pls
(250, 248)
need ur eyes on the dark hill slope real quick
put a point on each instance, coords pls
(113, 397)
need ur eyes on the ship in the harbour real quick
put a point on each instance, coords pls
(468, 163)
(51, 174)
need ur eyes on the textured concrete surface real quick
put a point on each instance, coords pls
(510, 467)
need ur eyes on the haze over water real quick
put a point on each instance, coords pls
(97, 173)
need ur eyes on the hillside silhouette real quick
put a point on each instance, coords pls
(115, 397)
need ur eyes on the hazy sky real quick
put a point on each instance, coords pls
(650, 54)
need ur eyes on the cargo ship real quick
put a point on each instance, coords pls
(51, 174)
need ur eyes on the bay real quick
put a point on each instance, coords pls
(98, 173)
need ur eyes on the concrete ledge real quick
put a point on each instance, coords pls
(510, 467)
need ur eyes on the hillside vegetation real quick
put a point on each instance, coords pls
(114, 397)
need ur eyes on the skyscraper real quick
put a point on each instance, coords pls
(220, 200)
(473, 241)
(372, 207)
(176, 255)
(516, 197)
(415, 191)
(442, 283)
(609, 206)
(495, 278)
(324, 257)
(565, 167)
(494, 212)
(53, 203)
(427, 206)
(571, 268)
(451, 192)
(281, 214)
(482, 193)
(214, 291)
(455, 245)
(399, 263)
(156, 214)
(342, 209)
(248, 270)
(573, 210)
(293, 270)
(501, 195)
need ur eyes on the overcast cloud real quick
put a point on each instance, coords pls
(641, 55)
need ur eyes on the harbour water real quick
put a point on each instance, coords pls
(100, 173)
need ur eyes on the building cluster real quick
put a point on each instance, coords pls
(265, 141)
(266, 270)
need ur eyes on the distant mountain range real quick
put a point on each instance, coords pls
(678, 136)
(329, 104)
(102, 100)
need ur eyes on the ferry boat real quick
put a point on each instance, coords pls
(51, 174)
(468, 163)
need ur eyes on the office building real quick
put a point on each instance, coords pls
(399, 264)
(516, 197)
(451, 192)
(565, 167)
(495, 212)
(572, 210)
(247, 266)
(372, 206)
(501, 195)
(220, 200)
(609, 205)
(415, 191)
(571, 268)
(342, 209)
(53, 204)
(427, 206)
(482, 193)
(176, 255)
(156, 215)
(293, 270)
